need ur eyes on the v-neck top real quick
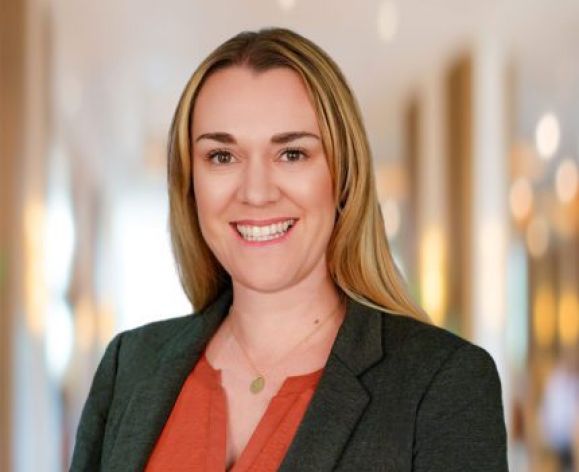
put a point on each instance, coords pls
(194, 436)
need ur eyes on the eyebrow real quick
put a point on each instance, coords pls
(281, 138)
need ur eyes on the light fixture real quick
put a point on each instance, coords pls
(568, 318)
(544, 316)
(433, 287)
(547, 135)
(388, 20)
(287, 5)
(59, 339)
(566, 180)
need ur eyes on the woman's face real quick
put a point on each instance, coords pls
(258, 159)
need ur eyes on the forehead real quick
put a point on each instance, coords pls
(240, 101)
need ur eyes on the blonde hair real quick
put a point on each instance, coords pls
(358, 254)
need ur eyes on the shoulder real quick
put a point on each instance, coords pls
(158, 333)
(453, 391)
(146, 345)
(408, 337)
(428, 357)
(140, 351)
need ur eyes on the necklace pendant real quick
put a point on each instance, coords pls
(257, 385)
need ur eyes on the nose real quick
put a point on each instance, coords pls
(258, 185)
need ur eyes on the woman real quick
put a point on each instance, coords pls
(305, 352)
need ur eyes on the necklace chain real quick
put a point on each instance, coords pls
(258, 383)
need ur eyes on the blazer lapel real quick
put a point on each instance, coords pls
(335, 408)
(340, 398)
(153, 398)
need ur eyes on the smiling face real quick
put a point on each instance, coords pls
(258, 158)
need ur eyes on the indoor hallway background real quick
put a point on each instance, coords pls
(472, 110)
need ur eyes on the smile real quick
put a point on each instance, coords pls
(263, 235)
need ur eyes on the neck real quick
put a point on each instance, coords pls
(270, 323)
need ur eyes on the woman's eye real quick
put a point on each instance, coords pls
(219, 157)
(294, 155)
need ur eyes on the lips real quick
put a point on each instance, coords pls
(267, 222)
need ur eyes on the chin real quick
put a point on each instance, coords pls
(264, 284)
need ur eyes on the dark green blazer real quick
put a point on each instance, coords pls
(395, 395)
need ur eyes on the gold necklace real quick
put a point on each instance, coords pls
(258, 383)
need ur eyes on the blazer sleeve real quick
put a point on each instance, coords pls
(90, 433)
(460, 422)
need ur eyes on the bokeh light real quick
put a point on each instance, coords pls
(388, 20)
(547, 135)
(521, 198)
(566, 180)
(569, 318)
(59, 339)
(544, 316)
(432, 269)
(287, 5)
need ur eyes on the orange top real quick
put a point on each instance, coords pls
(194, 437)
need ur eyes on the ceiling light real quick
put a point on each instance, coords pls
(547, 135)
(387, 20)
(287, 5)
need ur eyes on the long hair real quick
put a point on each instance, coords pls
(358, 254)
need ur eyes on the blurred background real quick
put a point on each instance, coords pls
(472, 111)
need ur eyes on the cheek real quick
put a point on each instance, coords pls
(313, 193)
(211, 194)
(314, 189)
(323, 200)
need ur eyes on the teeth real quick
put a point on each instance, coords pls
(263, 233)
